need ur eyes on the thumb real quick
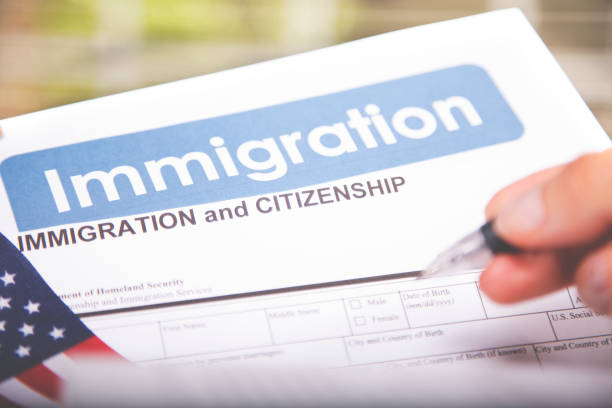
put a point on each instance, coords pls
(574, 207)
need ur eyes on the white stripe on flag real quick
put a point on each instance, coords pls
(15, 391)
(61, 365)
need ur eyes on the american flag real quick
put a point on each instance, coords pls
(40, 337)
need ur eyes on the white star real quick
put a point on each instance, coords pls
(8, 278)
(26, 329)
(23, 351)
(5, 303)
(2, 325)
(32, 307)
(57, 333)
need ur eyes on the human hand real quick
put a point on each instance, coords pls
(563, 217)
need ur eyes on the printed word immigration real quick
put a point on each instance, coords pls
(267, 150)
(325, 140)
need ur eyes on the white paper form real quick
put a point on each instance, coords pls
(351, 162)
(404, 323)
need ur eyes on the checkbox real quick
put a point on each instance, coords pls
(360, 321)
(355, 304)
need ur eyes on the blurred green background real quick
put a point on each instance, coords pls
(54, 52)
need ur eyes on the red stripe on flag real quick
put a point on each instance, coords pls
(92, 347)
(42, 380)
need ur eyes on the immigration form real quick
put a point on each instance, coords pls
(274, 214)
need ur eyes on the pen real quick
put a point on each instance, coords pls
(474, 251)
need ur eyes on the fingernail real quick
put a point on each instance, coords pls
(597, 294)
(523, 216)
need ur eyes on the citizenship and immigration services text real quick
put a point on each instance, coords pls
(263, 151)
(266, 204)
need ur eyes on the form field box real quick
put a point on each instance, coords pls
(582, 322)
(208, 334)
(449, 338)
(449, 304)
(122, 339)
(555, 301)
(330, 353)
(307, 322)
(586, 352)
(575, 296)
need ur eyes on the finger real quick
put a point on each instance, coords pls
(594, 279)
(511, 278)
(573, 208)
(519, 188)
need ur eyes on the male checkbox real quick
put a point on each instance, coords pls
(355, 304)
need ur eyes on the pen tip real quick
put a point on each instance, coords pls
(431, 269)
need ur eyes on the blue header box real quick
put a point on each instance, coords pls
(265, 150)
